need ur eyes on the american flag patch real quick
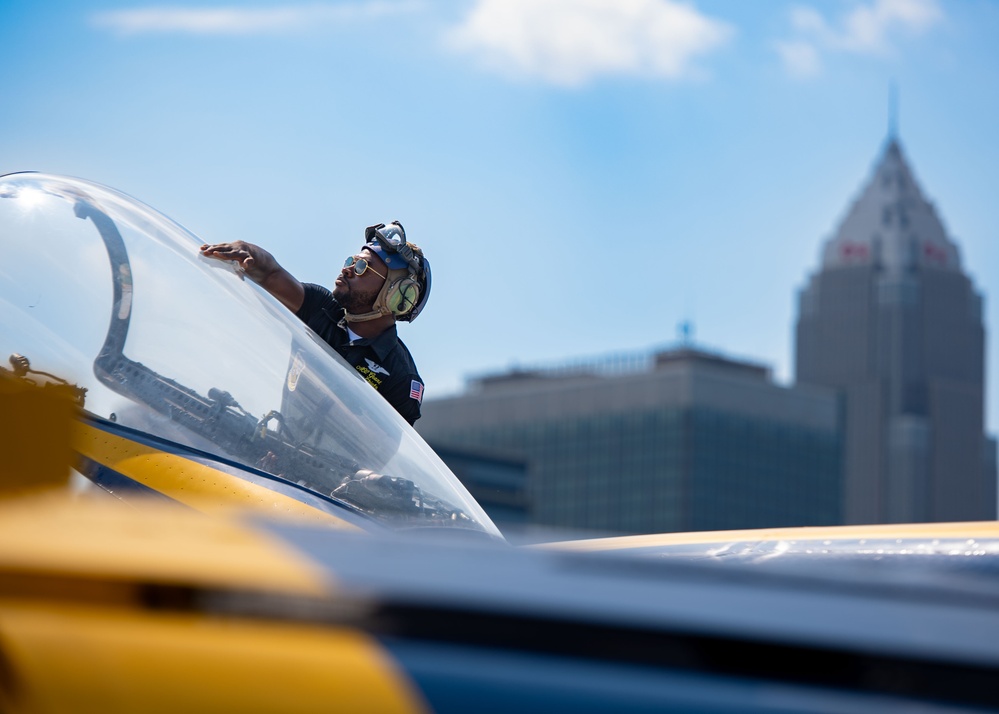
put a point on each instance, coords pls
(416, 391)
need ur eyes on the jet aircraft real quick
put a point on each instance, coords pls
(203, 508)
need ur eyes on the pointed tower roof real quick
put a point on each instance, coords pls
(891, 225)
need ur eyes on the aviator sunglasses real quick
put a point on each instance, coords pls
(361, 266)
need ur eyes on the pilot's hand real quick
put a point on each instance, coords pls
(253, 260)
(262, 268)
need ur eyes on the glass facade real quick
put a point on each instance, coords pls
(748, 473)
(656, 467)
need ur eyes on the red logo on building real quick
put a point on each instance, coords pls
(935, 253)
(854, 251)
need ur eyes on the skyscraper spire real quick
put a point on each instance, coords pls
(893, 112)
(891, 225)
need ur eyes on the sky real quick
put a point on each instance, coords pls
(584, 175)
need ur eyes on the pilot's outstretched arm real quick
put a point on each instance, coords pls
(260, 267)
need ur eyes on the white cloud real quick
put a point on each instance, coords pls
(801, 59)
(569, 42)
(867, 28)
(808, 20)
(236, 20)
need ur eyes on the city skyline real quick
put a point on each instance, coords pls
(578, 192)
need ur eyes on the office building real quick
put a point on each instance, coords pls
(894, 325)
(676, 441)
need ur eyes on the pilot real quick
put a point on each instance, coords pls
(385, 282)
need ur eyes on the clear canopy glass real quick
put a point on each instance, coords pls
(107, 294)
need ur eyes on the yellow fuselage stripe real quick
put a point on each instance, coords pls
(192, 483)
(920, 531)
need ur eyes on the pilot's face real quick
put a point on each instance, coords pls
(357, 292)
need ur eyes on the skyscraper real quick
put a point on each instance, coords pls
(894, 324)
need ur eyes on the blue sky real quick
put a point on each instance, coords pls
(583, 174)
